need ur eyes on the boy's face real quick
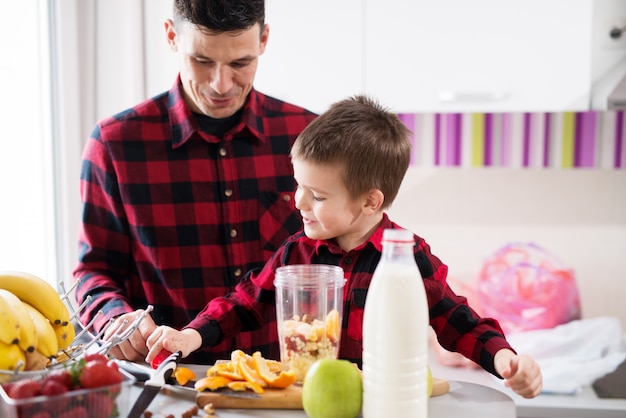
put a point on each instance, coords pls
(216, 71)
(327, 209)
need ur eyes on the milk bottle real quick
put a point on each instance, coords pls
(395, 327)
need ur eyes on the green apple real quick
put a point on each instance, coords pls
(332, 389)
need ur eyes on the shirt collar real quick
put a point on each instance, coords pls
(375, 239)
(183, 125)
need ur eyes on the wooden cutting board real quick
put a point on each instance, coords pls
(289, 398)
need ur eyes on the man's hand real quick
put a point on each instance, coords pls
(521, 373)
(134, 348)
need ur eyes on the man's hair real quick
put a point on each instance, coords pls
(371, 144)
(219, 16)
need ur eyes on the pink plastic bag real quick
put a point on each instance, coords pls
(526, 288)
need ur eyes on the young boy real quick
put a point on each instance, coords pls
(349, 164)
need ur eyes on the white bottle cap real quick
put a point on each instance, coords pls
(397, 235)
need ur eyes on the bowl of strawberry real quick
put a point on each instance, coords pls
(92, 387)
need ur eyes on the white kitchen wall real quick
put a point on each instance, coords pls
(578, 215)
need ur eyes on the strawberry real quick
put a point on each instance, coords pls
(96, 374)
(96, 357)
(22, 389)
(100, 405)
(41, 414)
(61, 376)
(75, 412)
(52, 388)
(57, 404)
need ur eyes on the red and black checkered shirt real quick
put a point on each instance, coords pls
(174, 217)
(458, 327)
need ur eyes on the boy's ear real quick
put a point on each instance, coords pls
(373, 201)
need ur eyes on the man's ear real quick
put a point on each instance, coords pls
(265, 34)
(170, 34)
(373, 201)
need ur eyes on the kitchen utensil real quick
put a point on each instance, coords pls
(153, 385)
(140, 373)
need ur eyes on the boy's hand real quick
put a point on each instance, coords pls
(521, 373)
(172, 340)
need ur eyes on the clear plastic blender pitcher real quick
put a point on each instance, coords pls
(309, 309)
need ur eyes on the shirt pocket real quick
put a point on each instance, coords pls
(355, 316)
(278, 219)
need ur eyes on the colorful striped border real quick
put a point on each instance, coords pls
(519, 140)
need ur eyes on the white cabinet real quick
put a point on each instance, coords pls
(432, 56)
(315, 51)
(479, 55)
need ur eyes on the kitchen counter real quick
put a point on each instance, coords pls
(464, 399)
(585, 404)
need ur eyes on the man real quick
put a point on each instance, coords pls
(187, 191)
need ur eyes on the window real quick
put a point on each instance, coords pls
(27, 236)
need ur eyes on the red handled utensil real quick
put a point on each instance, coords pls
(153, 385)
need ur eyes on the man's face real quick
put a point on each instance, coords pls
(217, 71)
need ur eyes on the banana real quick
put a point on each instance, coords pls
(65, 335)
(47, 343)
(28, 335)
(38, 293)
(9, 325)
(11, 357)
(36, 361)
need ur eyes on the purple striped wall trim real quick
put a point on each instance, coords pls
(453, 139)
(488, 155)
(546, 139)
(619, 140)
(579, 145)
(585, 139)
(507, 139)
(526, 140)
(437, 138)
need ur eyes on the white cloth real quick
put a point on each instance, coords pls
(575, 354)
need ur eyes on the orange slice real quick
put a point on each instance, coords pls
(218, 367)
(279, 380)
(211, 383)
(241, 385)
(284, 380)
(249, 373)
(333, 331)
(230, 375)
(184, 375)
(274, 366)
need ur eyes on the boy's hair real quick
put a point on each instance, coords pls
(370, 142)
(219, 16)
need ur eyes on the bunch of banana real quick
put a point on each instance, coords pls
(34, 322)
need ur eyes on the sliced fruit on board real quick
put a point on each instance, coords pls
(288, 398)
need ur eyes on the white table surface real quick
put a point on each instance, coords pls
(585, 404)
(464, 399)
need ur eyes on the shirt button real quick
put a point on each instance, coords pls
(233, 233)
(347, 260)
(223, 152)
(228, 192)
(237, 272)
(286, 197)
